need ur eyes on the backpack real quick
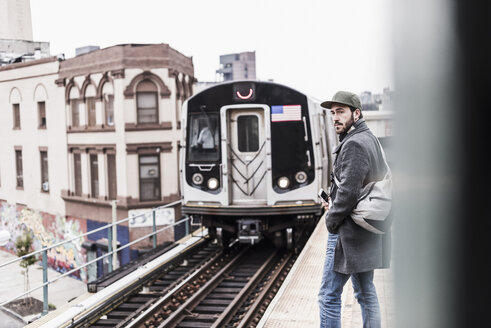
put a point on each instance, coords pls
(372, 210)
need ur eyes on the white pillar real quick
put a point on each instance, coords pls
(99, 117)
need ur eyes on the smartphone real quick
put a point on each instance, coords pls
(323, 195)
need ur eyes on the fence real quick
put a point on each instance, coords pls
(111, 252)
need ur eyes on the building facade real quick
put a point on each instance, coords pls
(81, 133)
(378, 101)
(239, 66)
(17, 51)
(15, 20)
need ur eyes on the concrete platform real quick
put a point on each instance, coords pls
(295, 304)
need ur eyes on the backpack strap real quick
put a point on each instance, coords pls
(389, 172)
(387, 175)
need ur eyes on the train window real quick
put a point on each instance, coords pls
(248, 133)
(203, 137)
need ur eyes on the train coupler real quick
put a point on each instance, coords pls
(249, 231)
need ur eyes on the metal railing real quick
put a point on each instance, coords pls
(44, 250)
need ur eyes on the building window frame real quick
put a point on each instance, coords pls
(91, 111)
(19, 170)
(157, 185)
(42, 123)
(140, 109)
(77, 174)
(112, 179)
(94, 175)
(16, 116)
(43, 156)
(108, 103)
(75, 112)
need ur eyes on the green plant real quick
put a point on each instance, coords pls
(23, 245)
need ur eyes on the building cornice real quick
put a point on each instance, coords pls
(148, 126)
(102, 148)
(28, 63)
(123, 203)
(148, 148)
(120, 57)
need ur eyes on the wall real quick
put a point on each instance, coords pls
(15, 19)
(27, 84)
(47, 230)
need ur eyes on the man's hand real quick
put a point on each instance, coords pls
(326, 204)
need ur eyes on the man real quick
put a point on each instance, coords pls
(351, 250)
(205, 138)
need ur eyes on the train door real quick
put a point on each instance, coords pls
(247, 156)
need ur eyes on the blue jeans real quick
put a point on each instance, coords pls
(332, 286)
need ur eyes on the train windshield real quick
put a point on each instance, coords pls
(203, 137)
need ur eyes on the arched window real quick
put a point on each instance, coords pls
(147, 102)
(15, 100)
(90, 93)
(40, 97)
(74, 103)
(108, 102)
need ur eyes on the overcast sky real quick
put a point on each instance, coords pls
(314, 46)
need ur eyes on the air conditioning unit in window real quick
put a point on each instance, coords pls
(45, 186)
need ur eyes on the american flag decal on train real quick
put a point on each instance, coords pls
(285, 113)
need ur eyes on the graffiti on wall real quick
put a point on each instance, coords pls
(46, 230)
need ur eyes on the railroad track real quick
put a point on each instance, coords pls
(204, 288)
(232, 292)
(123, 307)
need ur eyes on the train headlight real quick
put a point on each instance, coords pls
(198, 178)
(212, 183)
(283, 182)
(301, 177)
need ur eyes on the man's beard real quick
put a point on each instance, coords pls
(347, 125)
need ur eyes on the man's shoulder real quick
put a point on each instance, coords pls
(363, 138)
(358, 142)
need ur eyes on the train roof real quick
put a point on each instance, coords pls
(220, 84)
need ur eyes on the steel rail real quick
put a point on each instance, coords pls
(168, 295)
(194, 300)
(78, 310)
(118, 298)
(261, 298)
(239, 299)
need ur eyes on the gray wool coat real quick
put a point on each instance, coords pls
(358, 162)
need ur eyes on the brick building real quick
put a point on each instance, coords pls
(79, 133)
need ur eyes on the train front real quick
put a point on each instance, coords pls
(248, 164)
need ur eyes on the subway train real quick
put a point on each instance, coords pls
(253, 158)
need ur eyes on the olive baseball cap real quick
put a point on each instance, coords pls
(344, 98)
